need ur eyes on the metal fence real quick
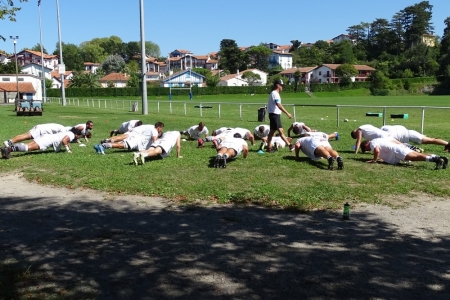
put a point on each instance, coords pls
(226, 110)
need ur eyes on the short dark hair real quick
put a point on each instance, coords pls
(75, 131)
(138, 123)
(364, 145)
(237, 135)
(296, 129)
(159, 124)
(89, 122)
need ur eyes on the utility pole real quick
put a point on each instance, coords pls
(16, 102)
(143, 62)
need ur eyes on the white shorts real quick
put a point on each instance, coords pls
(394, 157)
(136, 142)
(415, 137)
(48, 140)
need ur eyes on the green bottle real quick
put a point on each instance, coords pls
(346, 215)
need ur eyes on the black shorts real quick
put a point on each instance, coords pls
(275, 121)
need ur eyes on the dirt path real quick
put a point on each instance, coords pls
(83, 244)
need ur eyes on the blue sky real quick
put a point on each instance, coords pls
(200, 25)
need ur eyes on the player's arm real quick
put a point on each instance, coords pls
(66, 142)
(281, 107)
(178, 145)
(297, 150)
(245, 151)
(376, 154)
(290, 129)
(306, 128)
(251, 138)
(358, 140)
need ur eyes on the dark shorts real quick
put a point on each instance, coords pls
(275, 121)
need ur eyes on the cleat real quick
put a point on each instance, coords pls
(447, 147)
(102, 149)
(96, 147)
(5, 152)
(217, 162)
(291, 147)
(105, 141)
(261, 147)
(224, 162)
(445, 164)
(8, 143)
(135, 157)
(111, 133)
(330, 163)
(200, 143)
(439, 162)
(142, 158)
(337, 136)
(340, 163)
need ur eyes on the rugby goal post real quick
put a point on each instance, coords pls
(180, 88)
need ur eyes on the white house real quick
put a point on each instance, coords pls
(118, 79)
(35, 69)
(56, 78)
(327, 73)
(90, 67)
(30, 87)
(237, 80)
(25, 57)
(343, 37)
(4, 58)
(280, 58)
(306, 73)
(183, 79)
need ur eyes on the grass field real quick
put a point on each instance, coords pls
(270, 179)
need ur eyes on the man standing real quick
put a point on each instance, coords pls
(275, 109)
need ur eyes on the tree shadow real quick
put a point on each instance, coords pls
(141, 250)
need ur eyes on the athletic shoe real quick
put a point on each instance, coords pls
(445, 164)
(97, 148)
(261, 147)
(105, 141)
(5, 152)
(135, 157)
(100, 149)
(216, 144)
(340, 163)
(142, 158)
(217, 161)
(200, 143)
(224, 162)
(337, 136)
(291, 147)
(8, 143)
(447, 147)
(439, 162)
(330, 163)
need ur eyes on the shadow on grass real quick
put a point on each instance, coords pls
(80, 250)
(321, 164)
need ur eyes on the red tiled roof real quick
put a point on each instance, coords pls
(293, 70)
(91, 64)
(36, 53)
(357, 67)
(24, 87)
(115, 77)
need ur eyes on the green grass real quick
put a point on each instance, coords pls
(268, 179)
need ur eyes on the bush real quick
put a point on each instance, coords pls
(380, 92)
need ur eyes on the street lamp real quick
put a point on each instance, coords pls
(15, 38)
(61, 67)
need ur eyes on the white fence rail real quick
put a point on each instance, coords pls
(181, 107)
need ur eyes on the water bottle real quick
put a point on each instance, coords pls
(346, 215)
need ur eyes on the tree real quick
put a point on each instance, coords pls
(92, 52)
(134, 80)
(251, 77)
(113, 63)
(84, 80)
(342, 52)
(202, 71)
(37, 48)
(378, 80)
(212, 81)
(295, 45)
(8, 10)
(152, 49)
(444, 57)
(259, 57)
(346, 70)
(297, 77)
(416, 21)
(71, 56)
(231, 57)
(10, 68)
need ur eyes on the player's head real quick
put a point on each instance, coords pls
(159, 126)
(88, 134)
(76, 132)
(261, 129)
(201, 125)
(237, 135)
(138, 123)
(296, 129)
(365, 146)
(89, 125)
(353, 133)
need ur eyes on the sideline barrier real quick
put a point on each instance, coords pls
(371, 114)
(399, 116)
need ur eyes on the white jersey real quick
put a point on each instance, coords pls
(50, 128)
(390, 152)
(53, 140)
(242, 131)
(279, 141)
(167, 142)
(195, 133)
(403, 135)
(222, 130)
(272, 107)
(127, 126)
(370, 132)
(300, 127)
(83, 131)
(308, 145)
(318, 134)
(145, 130)
(260, 134)
(234, 143)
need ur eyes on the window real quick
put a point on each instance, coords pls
(320, 73)
(6, 79)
